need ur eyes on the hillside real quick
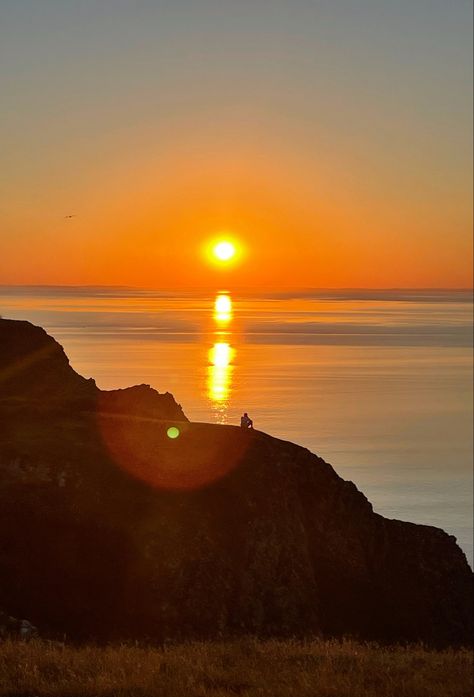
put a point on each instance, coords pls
(111, 530)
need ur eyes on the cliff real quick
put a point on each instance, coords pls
(35, 374)
(110, 529)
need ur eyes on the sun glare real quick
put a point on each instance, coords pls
(224, 251)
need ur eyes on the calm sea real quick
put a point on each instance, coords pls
(377, 383)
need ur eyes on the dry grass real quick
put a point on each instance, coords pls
(249, 668)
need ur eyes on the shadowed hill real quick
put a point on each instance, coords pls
(110, 529)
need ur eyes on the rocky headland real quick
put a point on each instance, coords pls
(111, 530)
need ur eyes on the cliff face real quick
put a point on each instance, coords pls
(33, 366)
(35, 373)
(110, 529)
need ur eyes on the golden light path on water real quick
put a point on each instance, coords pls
(222, 309)
(221, 357)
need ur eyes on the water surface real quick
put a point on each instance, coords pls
(379, 383)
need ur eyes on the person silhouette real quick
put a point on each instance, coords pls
(246, 421)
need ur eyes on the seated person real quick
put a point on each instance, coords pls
(246, 421)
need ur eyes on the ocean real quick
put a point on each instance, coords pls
(378, 383)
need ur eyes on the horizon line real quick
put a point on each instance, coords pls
(241, 288)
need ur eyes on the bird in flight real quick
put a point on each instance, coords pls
(71, 216)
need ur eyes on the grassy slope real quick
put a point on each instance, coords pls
(249, 668)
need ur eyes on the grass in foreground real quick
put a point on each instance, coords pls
(249, 667)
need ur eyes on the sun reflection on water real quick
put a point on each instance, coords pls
(222, 309)
(221, 358)
(220, 372)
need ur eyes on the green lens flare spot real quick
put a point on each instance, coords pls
(172, 432)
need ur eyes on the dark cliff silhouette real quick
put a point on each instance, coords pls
(109, 529)
(35, 373)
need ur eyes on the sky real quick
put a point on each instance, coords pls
(331, 139)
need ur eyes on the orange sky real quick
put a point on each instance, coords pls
(335, 169)
(302, 224)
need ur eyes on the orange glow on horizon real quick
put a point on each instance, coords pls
(291, 228)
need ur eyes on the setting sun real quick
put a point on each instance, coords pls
(224, 251)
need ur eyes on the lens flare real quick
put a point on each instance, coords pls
(142, 448)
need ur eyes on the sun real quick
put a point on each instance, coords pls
(224, 250)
